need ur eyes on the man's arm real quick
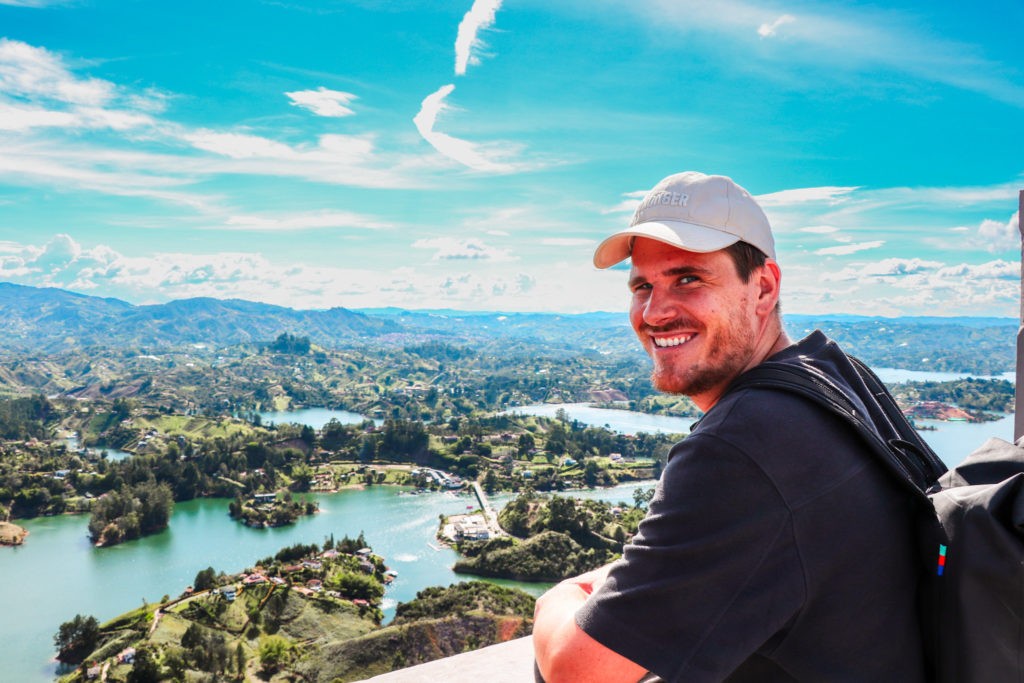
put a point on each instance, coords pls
(563, 650)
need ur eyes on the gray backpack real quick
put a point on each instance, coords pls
(971, 528)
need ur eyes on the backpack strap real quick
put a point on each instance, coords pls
(906, 455)
(931, 465)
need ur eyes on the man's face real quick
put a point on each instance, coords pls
(694, 316)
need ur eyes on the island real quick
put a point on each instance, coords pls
(545, 538)
(12, 534)
(270, 509)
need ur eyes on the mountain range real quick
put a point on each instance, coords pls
(50, 320)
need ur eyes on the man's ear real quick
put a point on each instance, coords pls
(769, 281)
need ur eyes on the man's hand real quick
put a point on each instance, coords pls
(590, 581)
(564, 652)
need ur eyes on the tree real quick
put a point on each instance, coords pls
(76, 638)
(641, 497)
(273, 651)
(145, 668)
(490, 482)
(302, 477)
(205, 579)
(240, 660)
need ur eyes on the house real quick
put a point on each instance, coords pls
(263, 498)
(253, 579)
(472, 528)
(315, 585)
(126, 656)
(229, 593)
(94, 671)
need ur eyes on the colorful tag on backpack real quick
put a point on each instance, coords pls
(942, 559)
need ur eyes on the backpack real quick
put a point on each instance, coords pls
(971, 527)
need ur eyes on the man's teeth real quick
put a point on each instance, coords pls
(665, 342)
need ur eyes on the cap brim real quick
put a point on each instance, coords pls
(685, 236)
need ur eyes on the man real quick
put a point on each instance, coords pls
(775, 548)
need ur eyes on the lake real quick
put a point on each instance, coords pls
(952, 441)
(615, 419)
(314, 417)
(108, 453)
(58, 574)
(897, 376)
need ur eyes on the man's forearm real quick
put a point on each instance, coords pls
(563, 650)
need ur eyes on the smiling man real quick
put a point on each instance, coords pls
(775, 549)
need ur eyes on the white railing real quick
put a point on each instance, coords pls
(510, 662)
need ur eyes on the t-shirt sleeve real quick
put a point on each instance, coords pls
(712, 576)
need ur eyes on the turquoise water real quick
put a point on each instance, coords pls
(314, 417)
(615, 419)
(58, 574)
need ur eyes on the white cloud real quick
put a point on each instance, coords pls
(452, 249)
(804, 195)
(303, 221)
(847, 249)
(769, 30)
(239, 145)
(897, 266)
(907, 287)
(41, 96)
(996, 237)
(627, 205)
(33, 72)
(992, 270)
(24, 117)
(323, 102)
(820, 229)
(567, 242)
(475, 156)
(37, 90)
(479, 17)
(161, 276)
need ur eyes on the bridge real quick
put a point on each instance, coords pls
(493, 528)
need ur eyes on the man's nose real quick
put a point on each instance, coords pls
(660, 309)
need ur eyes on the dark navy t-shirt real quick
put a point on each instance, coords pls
(775, 549)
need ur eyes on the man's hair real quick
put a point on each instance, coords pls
(746, 258)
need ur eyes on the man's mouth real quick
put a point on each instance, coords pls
(667, 342)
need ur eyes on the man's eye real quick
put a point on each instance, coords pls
(688, 279)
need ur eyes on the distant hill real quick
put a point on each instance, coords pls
(48, 320)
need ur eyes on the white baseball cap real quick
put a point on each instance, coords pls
(694, 212)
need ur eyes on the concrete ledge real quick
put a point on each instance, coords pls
(510, 662)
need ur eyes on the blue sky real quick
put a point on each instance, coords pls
(470, 155)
